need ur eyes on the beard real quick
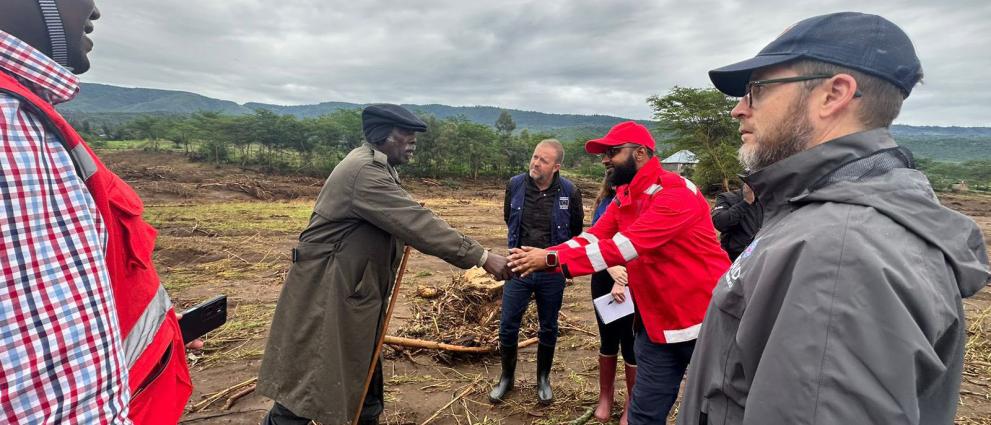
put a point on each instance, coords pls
(791, 135)
(537, 177)
(623, 173)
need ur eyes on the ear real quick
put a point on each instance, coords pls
(640, 154)
(840, 90)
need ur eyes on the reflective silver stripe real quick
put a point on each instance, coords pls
(625, 247)
(589, 237)
(691, 186)
(84, 161)
(147, 326)
(682, 335)
(573, 244)
(595, 257)
(654, 188)
(56, 31)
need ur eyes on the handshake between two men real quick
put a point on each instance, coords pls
(520, 262)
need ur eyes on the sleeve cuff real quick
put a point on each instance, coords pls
(484, 258)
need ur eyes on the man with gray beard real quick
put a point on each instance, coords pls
(846, 308)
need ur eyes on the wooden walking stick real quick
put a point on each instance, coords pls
(382, 331)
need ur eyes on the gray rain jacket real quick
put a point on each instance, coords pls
(846, 308)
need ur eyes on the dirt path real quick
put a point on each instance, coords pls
(224, 230)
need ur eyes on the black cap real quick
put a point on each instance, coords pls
(867, 43)
(378, 120)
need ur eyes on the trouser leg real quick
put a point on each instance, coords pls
(280, 415)
(660, 369)
(549, 294)
(515, 298)
(374, 398)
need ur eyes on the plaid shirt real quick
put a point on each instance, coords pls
(61, 358)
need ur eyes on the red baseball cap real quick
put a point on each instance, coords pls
(621, 134)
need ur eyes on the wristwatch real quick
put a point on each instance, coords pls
(551, 259)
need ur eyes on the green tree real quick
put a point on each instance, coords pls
(215, 133)
(478, 143)
(149, 127)
(699, 120)
(505, 124)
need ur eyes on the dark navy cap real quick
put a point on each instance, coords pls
(378, 120)
(867, 43)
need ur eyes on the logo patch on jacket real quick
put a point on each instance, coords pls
(750, 249)
(737, 269)
(563, 202)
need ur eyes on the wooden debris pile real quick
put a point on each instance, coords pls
(465, 312)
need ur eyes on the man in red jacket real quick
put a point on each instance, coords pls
(88, 333)
(659, 227)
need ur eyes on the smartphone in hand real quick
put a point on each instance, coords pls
(203, 318)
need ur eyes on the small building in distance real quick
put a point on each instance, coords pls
(680, 161)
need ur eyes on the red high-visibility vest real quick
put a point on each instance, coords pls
(158, 376)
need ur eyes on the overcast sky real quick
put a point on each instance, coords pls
(557, 56)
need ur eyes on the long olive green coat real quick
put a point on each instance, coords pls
(335, 296)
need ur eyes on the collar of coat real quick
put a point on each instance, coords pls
(381, 158)
(781, 183)
(533, 185)
(44, 76)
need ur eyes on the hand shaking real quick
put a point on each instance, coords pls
(496, 265)
(527, 259)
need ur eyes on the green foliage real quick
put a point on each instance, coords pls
(451, 148)
(943, 175)
(505, 124)
(699, 120)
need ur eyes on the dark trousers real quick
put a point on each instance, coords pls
(548, 289)
(373, 407)
(659, 376)
(620, 331)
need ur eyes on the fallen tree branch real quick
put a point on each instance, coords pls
(458, 397)
(528, 342)
(434, 345)
(233, 399)
(218, 415)
(221, 394)
(971, 393)
(576, 328)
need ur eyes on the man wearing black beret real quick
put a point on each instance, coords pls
(335, 297)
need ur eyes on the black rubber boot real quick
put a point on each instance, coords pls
(505, 384)
(545, 359)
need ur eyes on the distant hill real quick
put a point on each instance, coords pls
(954, 144)
(107, 105)
(102, 98)
(113, 104)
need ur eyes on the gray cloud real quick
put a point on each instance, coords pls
(554, 56)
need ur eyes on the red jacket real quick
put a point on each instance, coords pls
(659, 227)
(158, 376)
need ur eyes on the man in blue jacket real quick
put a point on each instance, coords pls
(542, 209)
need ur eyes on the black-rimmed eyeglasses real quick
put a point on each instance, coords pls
(753, 87)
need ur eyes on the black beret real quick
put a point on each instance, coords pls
(378, 120)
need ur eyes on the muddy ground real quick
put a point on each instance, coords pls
(223, 230)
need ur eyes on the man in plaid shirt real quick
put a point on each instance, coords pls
(70, 353)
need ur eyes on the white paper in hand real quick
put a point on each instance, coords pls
(610, 310)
